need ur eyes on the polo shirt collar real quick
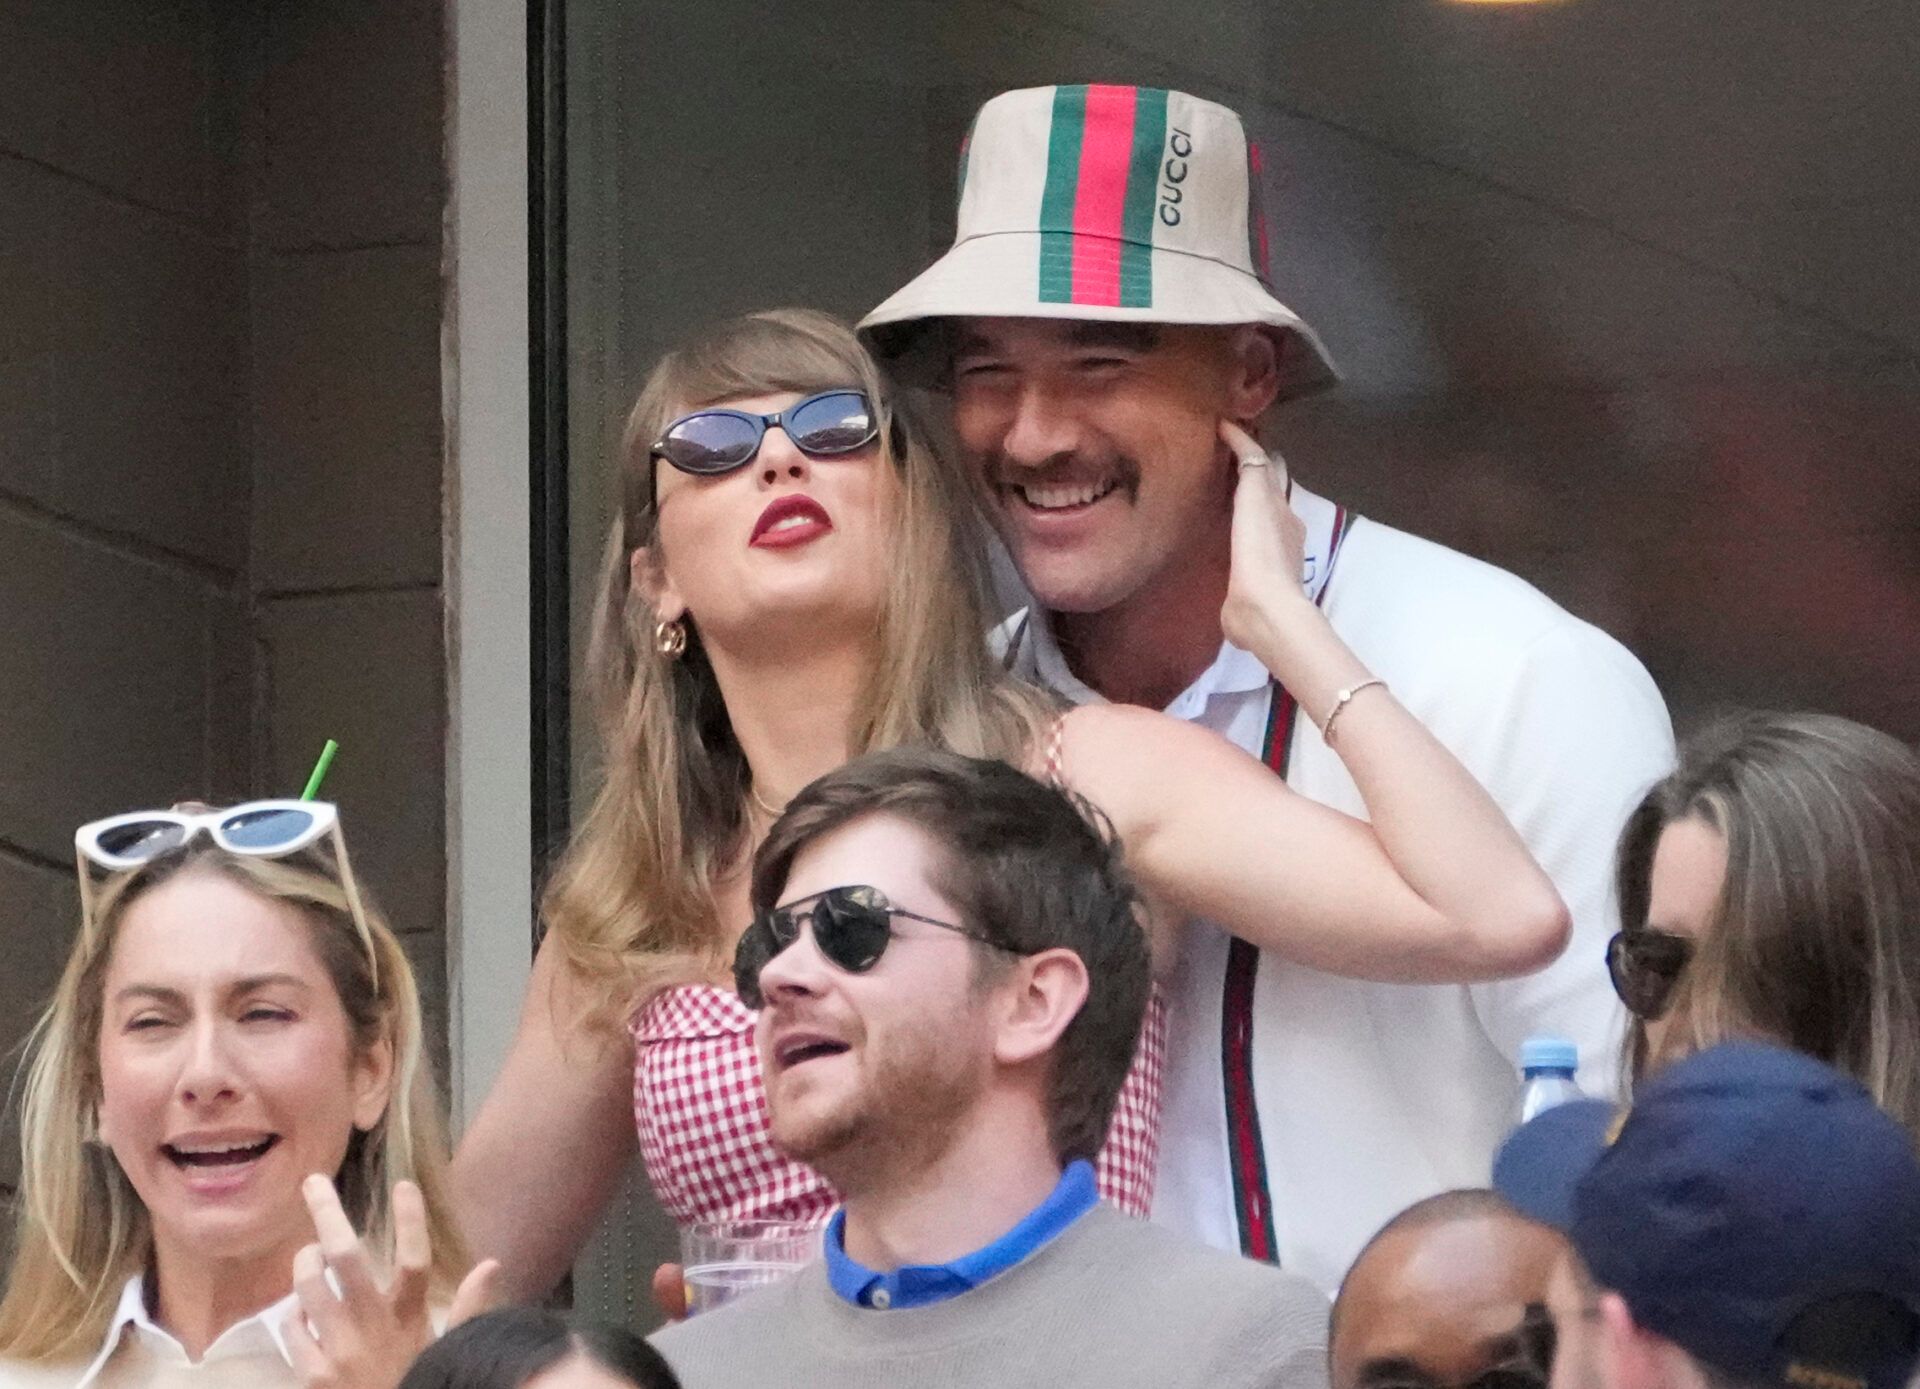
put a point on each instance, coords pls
(919, 1285)
(249, 1336)
(1233, 671)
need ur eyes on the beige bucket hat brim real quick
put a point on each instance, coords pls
(984, 277)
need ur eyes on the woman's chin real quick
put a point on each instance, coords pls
(796, 616)
(231, 1236)
(244, 1221)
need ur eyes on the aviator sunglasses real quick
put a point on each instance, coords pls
(707, 443)
(256, 829)
(1644, 965)
(851, 925)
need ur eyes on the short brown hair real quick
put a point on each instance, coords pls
(1028, 866)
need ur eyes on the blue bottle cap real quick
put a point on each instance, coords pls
(1549, 1054)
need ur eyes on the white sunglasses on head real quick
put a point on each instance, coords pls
(264, 829)
(256, 829)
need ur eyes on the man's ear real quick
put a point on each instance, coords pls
(1254, 380)
(1046, 993)
(1631, 1357)
(647, 582)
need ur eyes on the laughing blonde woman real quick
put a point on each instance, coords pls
(233, 1019)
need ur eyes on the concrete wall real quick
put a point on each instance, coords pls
(344, 106)
(220, 442)
(126, 670)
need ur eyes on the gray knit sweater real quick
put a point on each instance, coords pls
(1112, 1302)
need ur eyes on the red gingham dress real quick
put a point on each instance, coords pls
(702, 1116)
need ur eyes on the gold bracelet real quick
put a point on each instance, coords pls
(1341, 701)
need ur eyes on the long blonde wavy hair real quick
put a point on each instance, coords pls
(632, 903)
(81, 1229)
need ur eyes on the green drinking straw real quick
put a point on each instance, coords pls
(320, 770)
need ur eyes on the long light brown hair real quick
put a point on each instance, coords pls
(1815, 940)
(82, 1229)
(633, 902)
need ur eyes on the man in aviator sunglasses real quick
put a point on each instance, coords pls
(952, 982)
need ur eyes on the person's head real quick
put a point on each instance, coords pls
(1769, 887)
(884, 1036)
(531, 1348)
(1096, 446)
(1752, 1222)
(1439, 1298)
(1105, 305)
(798, 542)
(872, 546)
(227, 1024)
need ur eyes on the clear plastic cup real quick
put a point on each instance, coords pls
(723, 1259)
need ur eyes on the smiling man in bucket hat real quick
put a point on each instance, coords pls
(1105, 305)
(1752, 1223)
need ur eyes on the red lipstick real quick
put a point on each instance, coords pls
(805, 520)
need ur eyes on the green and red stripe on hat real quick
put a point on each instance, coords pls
(1103, 184)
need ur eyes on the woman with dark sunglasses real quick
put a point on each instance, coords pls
(1770, 886)
(795, 579)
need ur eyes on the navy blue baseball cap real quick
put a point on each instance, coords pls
(1753, 1206)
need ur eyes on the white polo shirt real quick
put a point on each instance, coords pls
(138, 1354)
(1373, 1096)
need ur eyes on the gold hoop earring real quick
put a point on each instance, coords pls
(670, 639)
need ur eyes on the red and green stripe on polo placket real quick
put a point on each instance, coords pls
(1246, 1145)
(1097, 206)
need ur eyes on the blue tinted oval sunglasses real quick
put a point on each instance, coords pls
(708, 443)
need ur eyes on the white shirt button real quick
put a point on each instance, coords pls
(880, 1299)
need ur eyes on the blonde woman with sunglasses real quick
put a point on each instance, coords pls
(795, 579)
(234, 1018)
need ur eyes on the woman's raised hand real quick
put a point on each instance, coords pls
(1269, 546)
(353, 1332)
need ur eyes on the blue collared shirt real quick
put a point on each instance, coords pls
(919, 1285)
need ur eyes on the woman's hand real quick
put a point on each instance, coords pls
(670, 1291)
(1437, 888)
(354, 1333)
(1269, 547)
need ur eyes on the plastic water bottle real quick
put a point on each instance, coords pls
(1547, 1065)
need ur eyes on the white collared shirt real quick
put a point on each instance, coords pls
(1372, 1096)
(140, 1354)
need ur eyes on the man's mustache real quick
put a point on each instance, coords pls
(1066, 469)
